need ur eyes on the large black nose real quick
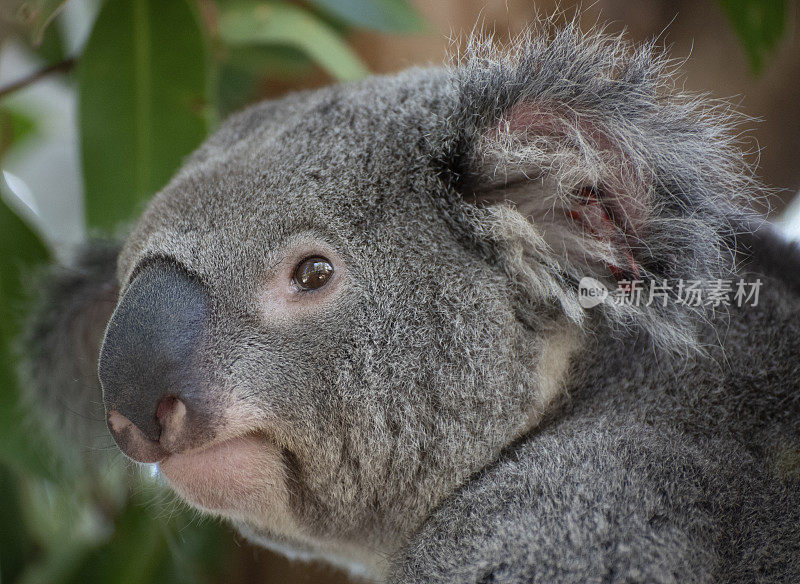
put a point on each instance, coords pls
(148, 363)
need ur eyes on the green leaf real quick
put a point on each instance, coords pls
(53, 47)
(130, 555)
(284, 24)
(147, 545)
(246, 69)
(383, 15)
(15, 127)
(144, 89)
(134, 554)
(57, 565)
(15, 544)
(759, 24)
(20, 250)
(22, 445)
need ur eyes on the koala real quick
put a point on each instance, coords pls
(353, 326)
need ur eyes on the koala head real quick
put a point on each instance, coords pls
(350, 300)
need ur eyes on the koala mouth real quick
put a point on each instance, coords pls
(243, 479)
(240, 477)
(221, 477)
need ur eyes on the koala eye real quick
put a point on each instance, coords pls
(312, 273)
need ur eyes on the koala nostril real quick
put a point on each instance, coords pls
(165, 408)
(171, 414)
(132, 440)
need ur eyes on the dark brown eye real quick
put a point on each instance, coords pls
(312, 273)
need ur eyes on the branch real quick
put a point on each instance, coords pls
(61, 67)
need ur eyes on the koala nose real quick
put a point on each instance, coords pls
(148, 363)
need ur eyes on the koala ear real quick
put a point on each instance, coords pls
(579, 157)
(571, 180)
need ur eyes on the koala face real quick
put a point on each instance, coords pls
(306, 341)
(332, 316)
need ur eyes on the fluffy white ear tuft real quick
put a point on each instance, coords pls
(573, 182)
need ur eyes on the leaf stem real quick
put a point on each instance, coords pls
(60, 67)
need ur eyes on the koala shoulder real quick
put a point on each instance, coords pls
(615, 498)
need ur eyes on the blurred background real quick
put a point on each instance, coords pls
(101, 100)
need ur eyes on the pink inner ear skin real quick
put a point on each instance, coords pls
(596, 219)
(616, 211)
(528, 118)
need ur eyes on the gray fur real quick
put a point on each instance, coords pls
(60, 345)
(414, 416)
(666, 470)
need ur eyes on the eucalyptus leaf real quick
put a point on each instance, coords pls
(142, 549)
(56, 564)
(247, 68)
(759, 24)
(20, 250)
(383, 15)
(144, 90)
(15, 127)
(15, 544)
(53, 47)
(260, 23)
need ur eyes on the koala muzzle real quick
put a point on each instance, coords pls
(153, 387)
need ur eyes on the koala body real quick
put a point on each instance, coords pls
(351, 325)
